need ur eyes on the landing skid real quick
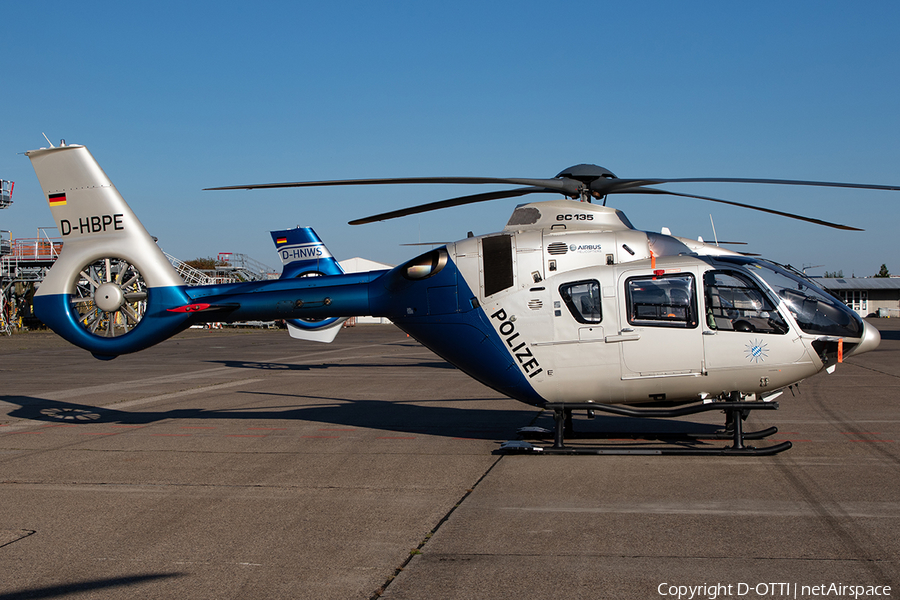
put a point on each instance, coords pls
(736, 411)
(540, 433)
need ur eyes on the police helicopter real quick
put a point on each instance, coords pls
(569, 307)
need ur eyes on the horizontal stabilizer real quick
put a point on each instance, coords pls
(324, 334)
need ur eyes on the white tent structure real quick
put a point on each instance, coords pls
(361, 265)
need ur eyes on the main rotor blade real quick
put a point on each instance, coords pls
(643, 190)
(570, 187)
(414, 210)
(616, 186)
(601, 186)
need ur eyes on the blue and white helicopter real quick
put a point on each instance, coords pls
(569, 307)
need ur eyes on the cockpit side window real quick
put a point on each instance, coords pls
(817, 312)
(735, 303)
(666, 300)
(582, 298)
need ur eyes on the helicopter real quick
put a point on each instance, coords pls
(569, 307)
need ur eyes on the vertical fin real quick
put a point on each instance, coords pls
(303, 254)
(94, 220)
(111, 287)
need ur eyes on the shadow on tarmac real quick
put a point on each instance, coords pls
(401, 417)
(371, 414)
(270, 366)
(56, 591)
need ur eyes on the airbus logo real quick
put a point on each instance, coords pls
(585, 247)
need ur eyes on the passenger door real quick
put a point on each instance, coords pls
(660, 334)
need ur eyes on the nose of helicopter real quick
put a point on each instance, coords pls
(870, 339)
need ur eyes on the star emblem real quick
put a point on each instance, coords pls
(757, 351)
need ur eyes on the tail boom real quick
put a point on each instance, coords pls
(113, 291)
(303, 298)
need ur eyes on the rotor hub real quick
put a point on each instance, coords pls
(109, 297)
(586, 173)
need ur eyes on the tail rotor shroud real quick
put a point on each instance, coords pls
(109, 298)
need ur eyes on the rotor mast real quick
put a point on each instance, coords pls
(586, 174)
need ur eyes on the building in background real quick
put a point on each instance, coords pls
(868, 296)
(361, 265)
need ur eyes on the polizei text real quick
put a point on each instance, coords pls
(526, 359)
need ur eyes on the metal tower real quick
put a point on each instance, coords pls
(6, 190)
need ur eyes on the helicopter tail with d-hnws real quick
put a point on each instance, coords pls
(303, 254)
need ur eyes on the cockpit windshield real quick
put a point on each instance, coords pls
(816, 311)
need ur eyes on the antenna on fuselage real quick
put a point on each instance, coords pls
(715, 237)
(48, 140)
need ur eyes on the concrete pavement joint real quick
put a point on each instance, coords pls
(7, 537)
(879, 371)
(834, 518)
(844, 424)
(145, 487)
(418, 550)
(812, 559)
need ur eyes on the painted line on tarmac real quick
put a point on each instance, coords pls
(870, 510)
(162, 379)
(190, 392)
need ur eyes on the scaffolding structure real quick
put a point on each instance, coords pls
(6, 190)
(24, 263)
(191, 275)
(243, 268)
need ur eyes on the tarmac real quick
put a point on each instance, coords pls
(244, 464)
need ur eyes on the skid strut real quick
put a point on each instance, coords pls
(735, 409)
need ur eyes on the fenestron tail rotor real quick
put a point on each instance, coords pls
(109, 297)
(584, 182)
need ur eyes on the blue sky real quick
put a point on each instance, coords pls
(174, 97)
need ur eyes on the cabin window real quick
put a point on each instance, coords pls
(735, 303)
(666, 300)
(582, 298)
(496, 254)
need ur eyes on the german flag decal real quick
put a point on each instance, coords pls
(57, 200)
(278, 241)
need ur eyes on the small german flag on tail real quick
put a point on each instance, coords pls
(57, 200)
